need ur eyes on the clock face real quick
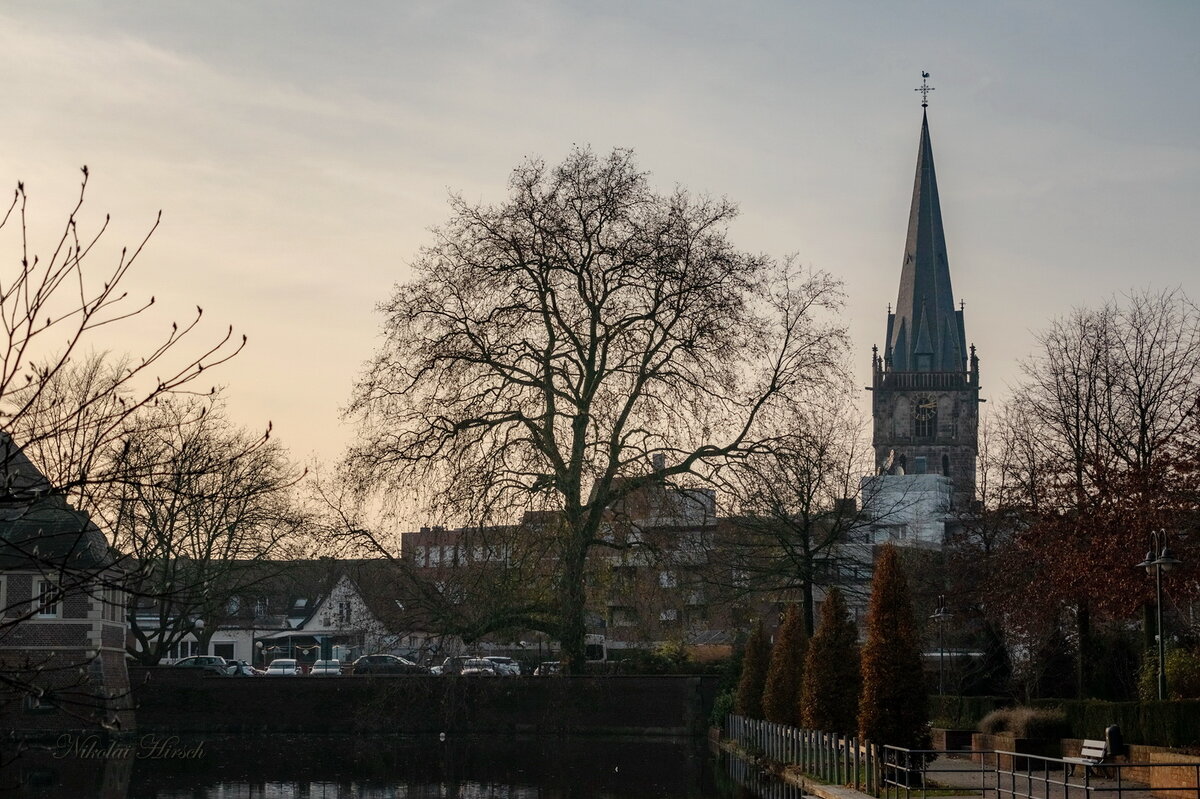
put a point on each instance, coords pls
(925, 408)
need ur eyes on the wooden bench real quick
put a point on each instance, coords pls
(1092, 754)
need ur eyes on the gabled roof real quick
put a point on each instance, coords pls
(925, 322)
(39, 530)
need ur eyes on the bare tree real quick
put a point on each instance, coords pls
(1096, 425)
(54, 304)
(795, 509)
(205, 510)
(1109, 388)
(550, 346)
(50, 308)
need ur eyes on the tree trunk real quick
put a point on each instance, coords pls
(809, 609)
(1083, 618)
(574, 605)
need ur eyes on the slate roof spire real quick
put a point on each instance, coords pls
(925, 333)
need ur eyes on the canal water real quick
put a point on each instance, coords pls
(381, 767)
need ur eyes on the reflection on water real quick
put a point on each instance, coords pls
(379, 767)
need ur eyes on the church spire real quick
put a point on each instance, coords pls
(925, 334)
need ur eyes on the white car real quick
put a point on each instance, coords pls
(283, 667)
(327, 668)
(505, 667)
(478, 667)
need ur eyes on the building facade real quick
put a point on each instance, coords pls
(62, 612)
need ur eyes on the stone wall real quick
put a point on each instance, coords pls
(184, 701)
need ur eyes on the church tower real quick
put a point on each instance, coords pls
(925, 385)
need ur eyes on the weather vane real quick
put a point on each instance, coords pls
(924, 90)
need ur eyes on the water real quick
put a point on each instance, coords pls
(380, 767)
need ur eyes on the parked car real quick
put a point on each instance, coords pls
(240, 668)
(547, 669)
(283, 667)
(209, 663)
(454, 663)
(505, 667)
(327, 668)
(387, 664)
(478, 667)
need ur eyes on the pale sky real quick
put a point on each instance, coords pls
(300, 151)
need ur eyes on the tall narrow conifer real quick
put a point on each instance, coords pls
(785, 675)
(748, 701)
(893, 709)
(832, 681)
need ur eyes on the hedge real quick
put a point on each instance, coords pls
(1175, 723)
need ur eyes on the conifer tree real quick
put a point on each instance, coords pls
(785, 675)
(748, 702)
(893, 709)
(832, 681)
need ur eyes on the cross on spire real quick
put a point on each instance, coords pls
(924, 89)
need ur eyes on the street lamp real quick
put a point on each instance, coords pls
(1158, 560)
(941, 616)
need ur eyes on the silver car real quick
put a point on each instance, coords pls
(505, 667)
(327, 668)
(283, 667)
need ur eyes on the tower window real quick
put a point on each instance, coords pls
(925, 412)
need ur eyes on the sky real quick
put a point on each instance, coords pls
(301, 152)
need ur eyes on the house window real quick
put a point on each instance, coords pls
(667, 579)
(114, 609)
(47, 600)
(39, 704)
(344, 613)
(184, 649)
(223, 649)
(919, 465)
(669, 615)
(946, 465)
(924, 428)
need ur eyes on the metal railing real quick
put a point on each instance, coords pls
(1016, 775)
(893, 772)
(826, 756)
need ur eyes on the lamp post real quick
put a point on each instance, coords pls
(1158, 560)
(941, 616)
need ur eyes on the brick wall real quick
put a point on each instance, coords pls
(184, 701)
